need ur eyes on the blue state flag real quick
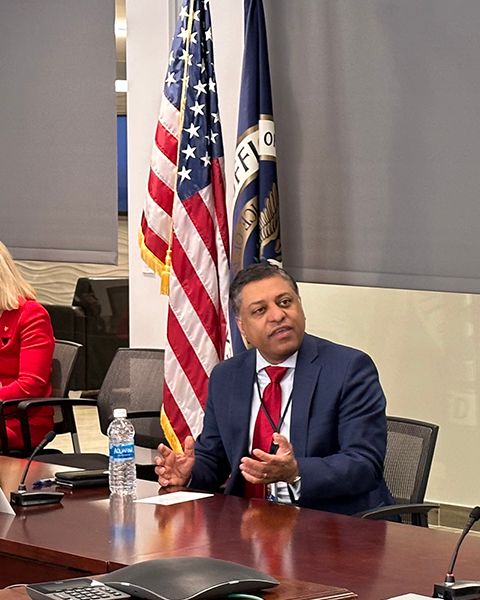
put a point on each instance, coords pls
(256, 217)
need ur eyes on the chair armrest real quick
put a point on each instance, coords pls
(3, 433)
(3, 428)
(7, 403)
(24, 405)
(35, 402)
(397, 509)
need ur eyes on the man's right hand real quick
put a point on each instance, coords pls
(174, 468)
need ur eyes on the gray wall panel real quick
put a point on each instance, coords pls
(378, 140)
(58, 130)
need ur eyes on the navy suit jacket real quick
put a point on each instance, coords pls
(338, 427)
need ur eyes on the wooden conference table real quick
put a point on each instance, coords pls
(87, 534)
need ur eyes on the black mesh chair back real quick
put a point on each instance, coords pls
(410, 447)
(65, 354)
(134, 381)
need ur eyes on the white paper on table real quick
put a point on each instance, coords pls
(410, 597)
(5, 506)
(174, 498)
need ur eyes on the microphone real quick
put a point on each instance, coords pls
(23, 498)
(451, 590)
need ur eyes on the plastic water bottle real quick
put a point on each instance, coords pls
(122, 477)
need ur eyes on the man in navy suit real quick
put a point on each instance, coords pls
(329, 444)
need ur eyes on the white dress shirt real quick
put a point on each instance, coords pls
(279, 490)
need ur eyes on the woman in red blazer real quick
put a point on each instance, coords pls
(26, 351)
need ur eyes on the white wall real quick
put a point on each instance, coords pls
(147, 53)
(426, 348)
(426, 345)
(148, 46)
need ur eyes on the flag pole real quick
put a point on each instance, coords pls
(165, 277)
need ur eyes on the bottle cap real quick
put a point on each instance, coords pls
(119, 413)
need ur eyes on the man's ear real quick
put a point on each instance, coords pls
(238, 321)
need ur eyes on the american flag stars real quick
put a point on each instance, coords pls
(189, 152)
(184, 173)
(192, 130)
(191, 65)
(201, 88)
(170, 79)
(197, 108)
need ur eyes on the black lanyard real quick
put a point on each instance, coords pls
(276, 428)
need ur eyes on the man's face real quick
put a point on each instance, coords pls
(271, 318)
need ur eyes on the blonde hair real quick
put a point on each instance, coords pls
(13, 286)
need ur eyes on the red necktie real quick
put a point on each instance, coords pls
(263, 432)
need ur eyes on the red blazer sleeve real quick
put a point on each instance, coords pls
(33, 342)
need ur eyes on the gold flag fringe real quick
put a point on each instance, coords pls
(170, 434)
(165, 277)
(154, 263)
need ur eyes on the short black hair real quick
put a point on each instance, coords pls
(256, 272)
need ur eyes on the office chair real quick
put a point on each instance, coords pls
(65, 355)
(68, 323)
(410, 447)
(134, 381)
(105, 303)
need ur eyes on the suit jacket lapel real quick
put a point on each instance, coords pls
(240, 405)
(307, 374)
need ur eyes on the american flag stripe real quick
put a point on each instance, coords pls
(153, 215)
(201, 217)
(166, 142)
(218, 191)
(161, 195)
(188, 359)
(206, 350)
(163, 168)
(178, 408)
(169, 116)
(174, 425)
(222, 250)
(157, 245)
(161, 183)
(199, 298)
(192, 242)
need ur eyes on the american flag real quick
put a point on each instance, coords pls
(184, 230)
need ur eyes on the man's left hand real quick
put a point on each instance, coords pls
(264, 468)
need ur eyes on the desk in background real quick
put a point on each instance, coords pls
(85, 535)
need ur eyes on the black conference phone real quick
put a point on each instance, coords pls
(189, 578)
